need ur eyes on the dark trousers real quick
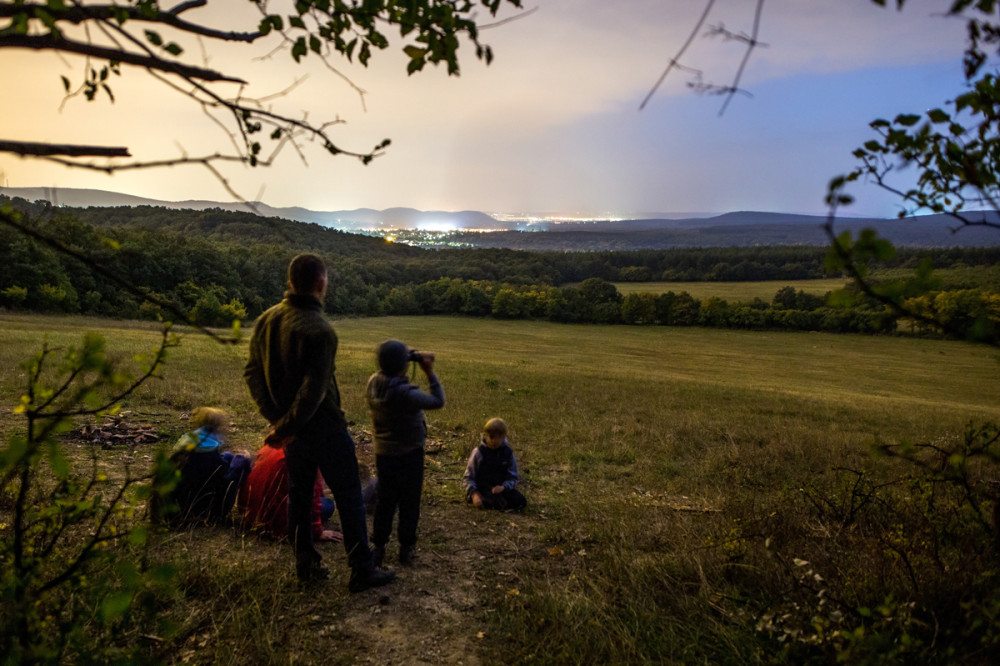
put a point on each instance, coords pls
(334, 456)
(208, 487)
(509, 500)
(400, 482)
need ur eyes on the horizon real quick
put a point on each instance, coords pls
(52, 195)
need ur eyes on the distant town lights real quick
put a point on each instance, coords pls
(436, 226)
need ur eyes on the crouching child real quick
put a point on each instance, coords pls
(491, 473)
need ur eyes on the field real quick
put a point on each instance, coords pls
(644, 452)
(734, 292)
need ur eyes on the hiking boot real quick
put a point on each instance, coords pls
(311, 572)
(363, 579)
(378, 556)
(407, 554)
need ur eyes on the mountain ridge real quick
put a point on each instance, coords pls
(462, 228)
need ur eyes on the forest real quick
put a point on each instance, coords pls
(217, 266)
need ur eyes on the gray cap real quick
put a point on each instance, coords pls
(393, 356)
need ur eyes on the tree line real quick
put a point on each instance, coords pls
(219, 265)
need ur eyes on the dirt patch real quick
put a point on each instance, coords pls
(435, 613)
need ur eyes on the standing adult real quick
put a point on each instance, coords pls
(291, 377)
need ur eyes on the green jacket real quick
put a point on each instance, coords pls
(290, 373)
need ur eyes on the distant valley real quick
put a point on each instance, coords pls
(557, 233)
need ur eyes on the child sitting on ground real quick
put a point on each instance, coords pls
(491, 473)
(264, 503)
(210, 478)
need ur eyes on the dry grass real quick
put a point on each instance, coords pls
(639, 448)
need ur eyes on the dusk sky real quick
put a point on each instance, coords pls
(553, 125)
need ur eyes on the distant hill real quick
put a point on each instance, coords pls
(747, 229)
(346, 220)
(464, 228)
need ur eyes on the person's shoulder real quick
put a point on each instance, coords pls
(280, 306)
(314, 324)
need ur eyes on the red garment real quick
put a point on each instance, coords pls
(263, 501)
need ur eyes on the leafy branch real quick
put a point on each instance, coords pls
(56, 552)
(130, 35)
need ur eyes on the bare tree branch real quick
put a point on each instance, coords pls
(752, 43)
(80, 13)
(510, 19)
(26, 148)
(184, 6)
(674, 62)
(728, 90)
(49, 41)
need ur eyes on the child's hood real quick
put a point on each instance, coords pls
(383, 389)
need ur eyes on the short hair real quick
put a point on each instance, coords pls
(495, 427)
(212, 418)
(304, 272)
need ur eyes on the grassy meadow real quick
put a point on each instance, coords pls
(733, 292)
(668, 472)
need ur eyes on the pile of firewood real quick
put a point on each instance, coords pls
(117, 431)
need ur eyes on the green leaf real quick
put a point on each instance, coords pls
(15, 451)
(138, 535)
(163, 573)
(154, 38)
(58, 461)
(65, 83)
(299, 49)
(417, 58)
(114, 606)
(46, 18)
(841, 298)
(173, 49)
(907, 119)
(938, 116)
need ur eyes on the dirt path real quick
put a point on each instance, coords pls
(433, 613)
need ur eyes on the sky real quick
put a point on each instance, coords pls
(553, 125)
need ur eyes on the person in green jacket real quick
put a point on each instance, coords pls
(290, 374)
